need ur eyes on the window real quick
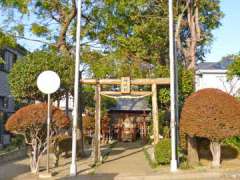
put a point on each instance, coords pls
(9, 59)
(3, 102)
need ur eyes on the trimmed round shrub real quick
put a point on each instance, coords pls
(162, 152)
(212, 114)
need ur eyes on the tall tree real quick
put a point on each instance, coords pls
(6, 40)
(127, 33)
(195, 21)
(133, 32)
(23, 76)
(50, 22)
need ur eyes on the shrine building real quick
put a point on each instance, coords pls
(130, 119)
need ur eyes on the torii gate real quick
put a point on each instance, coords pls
(125, 83)
(172, 82)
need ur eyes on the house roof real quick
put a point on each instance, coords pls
(23, 50)
(20, 49)
(125, 104)
(221, 65)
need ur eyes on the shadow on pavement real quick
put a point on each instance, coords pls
(92, 177)
(12, 170)
(129, 154)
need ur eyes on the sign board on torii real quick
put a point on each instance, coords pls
(125, 85)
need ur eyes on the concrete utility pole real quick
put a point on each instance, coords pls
(73, 168)
(173, 86)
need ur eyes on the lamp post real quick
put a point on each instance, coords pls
(173, 89)
(48, 82)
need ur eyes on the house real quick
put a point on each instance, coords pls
(7, 105)
(129, 119)
(214, 75)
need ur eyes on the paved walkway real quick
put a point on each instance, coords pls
(125, 161)
(126, 158)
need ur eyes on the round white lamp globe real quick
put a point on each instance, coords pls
(48, 82)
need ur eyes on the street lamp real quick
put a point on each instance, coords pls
(48, 82)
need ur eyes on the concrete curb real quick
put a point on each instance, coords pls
(13, 155)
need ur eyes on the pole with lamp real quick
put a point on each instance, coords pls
(173, 89)
(48, 82)
(73, 167)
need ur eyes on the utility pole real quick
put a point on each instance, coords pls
(173, 90)
(73, 168)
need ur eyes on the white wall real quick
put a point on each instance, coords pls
(217, 79)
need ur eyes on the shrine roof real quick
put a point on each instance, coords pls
(126, 104)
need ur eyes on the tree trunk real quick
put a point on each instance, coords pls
(33, 158)
(215, 148)
(192, 156)
(80, 124)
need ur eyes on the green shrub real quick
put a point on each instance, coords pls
(162, 152)
(166, 132)
(17, 141)
(233, 141)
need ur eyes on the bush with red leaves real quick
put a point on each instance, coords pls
(211, 113)
(35, 116)
(31, 122)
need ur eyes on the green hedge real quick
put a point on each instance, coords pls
(162, 152)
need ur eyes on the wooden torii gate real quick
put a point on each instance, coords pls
(125, 83)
